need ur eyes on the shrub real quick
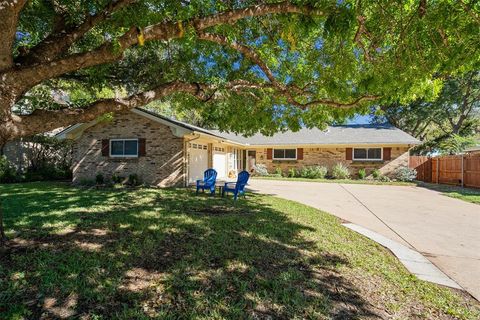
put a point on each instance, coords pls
(376, 173)
(260, 169)
(99, 179)
(117, 179)
(404, 173)
(340, 171)
(133, 180)
(314, 172)
(362, 173)
(278, 171)
(383, 178)
(292, 173)
(7, 171)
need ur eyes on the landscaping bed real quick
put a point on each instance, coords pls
(166, 253)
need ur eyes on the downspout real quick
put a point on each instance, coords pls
(186, 142)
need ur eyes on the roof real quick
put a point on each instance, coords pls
(473, 149)
(333, 135)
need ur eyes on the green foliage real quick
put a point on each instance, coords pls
(455, 144)
(99, 179)
(383, 178)
(117, 179)
(8, 174)
(446, 122)
(362, 173)
(406, 174)
(395, 55)
(278, 171)
(261, 170)
(313, 172)
(340, 171)
(292, 173)
(133, 180)
(376, 173)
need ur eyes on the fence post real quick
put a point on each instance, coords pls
(463, 172)
(438, 169)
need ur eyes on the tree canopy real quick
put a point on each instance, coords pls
(447, 123)
(243, 66)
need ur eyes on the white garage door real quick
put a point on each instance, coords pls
(220, 164)
(198, 161)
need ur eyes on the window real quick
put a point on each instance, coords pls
(124, 147)
(370, 154)
(285, 154)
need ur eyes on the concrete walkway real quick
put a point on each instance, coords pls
(444, 230)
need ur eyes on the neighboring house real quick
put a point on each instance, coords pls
(473, 150)
(166, 152)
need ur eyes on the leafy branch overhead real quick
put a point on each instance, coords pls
(274, 64)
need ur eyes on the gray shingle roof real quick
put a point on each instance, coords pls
(345, 134)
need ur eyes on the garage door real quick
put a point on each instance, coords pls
(220, 162)
(197, 162)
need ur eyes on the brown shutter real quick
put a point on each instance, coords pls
(269, 153)
(142, 147)
(299, 153)
(387, 154)
(348, 154)
(105, 147)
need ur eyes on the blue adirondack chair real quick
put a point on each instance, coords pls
(237, 188)
(208, 182)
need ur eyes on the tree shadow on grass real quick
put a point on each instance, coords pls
(166, 254)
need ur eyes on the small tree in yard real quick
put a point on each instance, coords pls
(272, 65)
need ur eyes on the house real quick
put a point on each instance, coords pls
(473, 150)
(166, 152)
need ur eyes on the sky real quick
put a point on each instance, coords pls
(359, 119)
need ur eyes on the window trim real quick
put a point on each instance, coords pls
(123, 155)
(367, 159)
(284, 159)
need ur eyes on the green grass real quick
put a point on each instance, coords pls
(168, 254)
(465, 194)
(347, 181)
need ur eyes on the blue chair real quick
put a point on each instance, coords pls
(237, 188)
(208, 182)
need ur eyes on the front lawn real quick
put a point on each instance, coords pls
(168, 254)
(465, 194)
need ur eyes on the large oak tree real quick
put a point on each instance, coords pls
(243, 65)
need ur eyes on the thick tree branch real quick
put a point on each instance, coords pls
(62, 37)
(281, 88)
(9, 13)
(109, 52)
(43, 120)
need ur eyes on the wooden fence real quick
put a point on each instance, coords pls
(454, 170)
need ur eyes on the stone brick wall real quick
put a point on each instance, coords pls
(162, 165)
(330, 156)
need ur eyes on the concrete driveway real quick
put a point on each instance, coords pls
(445, 230)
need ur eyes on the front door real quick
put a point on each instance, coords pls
(197, 161)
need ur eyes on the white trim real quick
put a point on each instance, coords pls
(285, 159)
(123, 155)
(367, 159)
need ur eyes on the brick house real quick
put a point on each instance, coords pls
(166, 152)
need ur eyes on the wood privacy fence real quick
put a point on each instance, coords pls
(462, 170)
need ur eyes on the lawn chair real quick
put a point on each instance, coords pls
(208, 182)
(237, 188)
